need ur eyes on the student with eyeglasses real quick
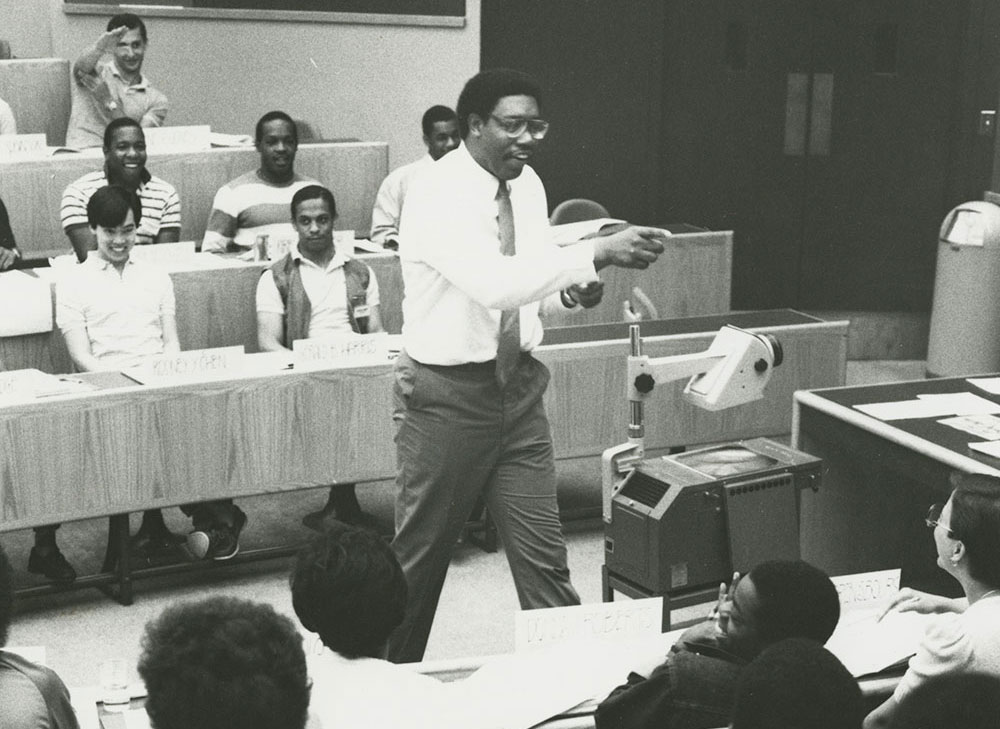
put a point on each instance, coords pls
(478, 266)
(966, 639)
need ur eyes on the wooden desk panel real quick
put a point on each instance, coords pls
(691, 278)
(38, 91)
(127, 450)
(33, 190)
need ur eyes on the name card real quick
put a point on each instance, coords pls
(195, 365)
(23, 385)
(164, 254)
(162, 140)
(347, 350)
(15, 147)
(866, 590)
(625, 618)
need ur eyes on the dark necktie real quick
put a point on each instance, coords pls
(509, 342)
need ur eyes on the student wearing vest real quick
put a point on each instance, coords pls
(316, 291)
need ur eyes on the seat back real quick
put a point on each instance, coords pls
(576, 210)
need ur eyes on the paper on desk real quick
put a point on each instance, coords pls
(26, 303)
(986, 427)
(931, 406)
(862, 642)
(136, 719)
(990, 448)
(523, 689)
(989, 384)
(569, 233)
(84, 702)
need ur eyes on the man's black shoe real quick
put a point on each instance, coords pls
(51, 563)
(154, 542)
(218, 542)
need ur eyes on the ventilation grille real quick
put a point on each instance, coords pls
(644, 489)
(784, 481)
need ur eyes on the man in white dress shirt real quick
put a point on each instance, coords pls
(477, 265)
(440, 127)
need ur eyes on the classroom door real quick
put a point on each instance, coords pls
(819, 132)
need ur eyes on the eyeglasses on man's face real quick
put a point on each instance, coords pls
(514, 127)
(933, 519)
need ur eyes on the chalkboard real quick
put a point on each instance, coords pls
(421, 12)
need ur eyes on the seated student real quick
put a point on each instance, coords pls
(9, 254)
(115, 313)
(348, 587)
(257, 203)
(224, 663)
(440, 125)
(951, 701)
(31, 696)
(797, 683)
(967, 636)
(108, 84)
(8, 125)
(693, 688)
(317, 291)
(125, 166)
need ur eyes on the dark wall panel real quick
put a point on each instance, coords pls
(600, 66)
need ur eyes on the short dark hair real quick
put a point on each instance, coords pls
(796, 600)
(485, 89)
(313, 192)
(224, 663)
(6, 597)
(797, 683)
(271, 116)
(130, 21)
(348, 587)
(120, 123)
(966, 700)
(975, 521)
(108, 207)
(435, 114)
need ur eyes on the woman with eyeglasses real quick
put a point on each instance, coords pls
(967, 636)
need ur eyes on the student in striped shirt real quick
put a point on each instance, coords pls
(124, 165)
(257, 203)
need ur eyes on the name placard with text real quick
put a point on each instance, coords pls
(192, 366)
(16, 147)
(347, 350)
(619, 619)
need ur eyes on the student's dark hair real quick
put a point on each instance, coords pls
(797, 683)
(224, 663)
(796, 600)
(485, 89)
(6, 597)
(313, 192)
(975, 521)
(109, 206)
(271, 116)
(130, 21)
(435, 114)
(120, 123)
(951, 701)
(348, 587)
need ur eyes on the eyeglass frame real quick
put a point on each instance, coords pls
(522, 125)
(932, 520)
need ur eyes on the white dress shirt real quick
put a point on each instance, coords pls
(120, 313)
(327, 292)
(456, 280)
(389, 201)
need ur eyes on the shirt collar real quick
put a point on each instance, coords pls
(338, 260)
(143, 81)
(478, 175)
(100, 264)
